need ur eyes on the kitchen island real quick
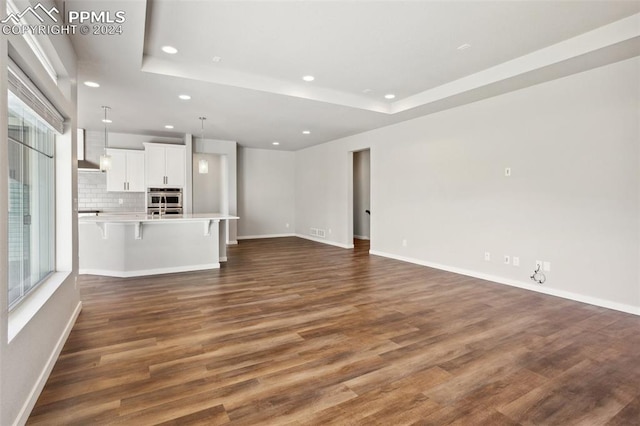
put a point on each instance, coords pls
(137, 244)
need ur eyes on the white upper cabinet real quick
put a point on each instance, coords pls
(155, 165)
(127, 171)
(135, 171)
(165, 165)
(175, 161)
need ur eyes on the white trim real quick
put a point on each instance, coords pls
(29, 307)
(33, 43)
(360, 237)
(323, 241)
(257, 237)
(223, 258)
(630, 309)
(232, 242)
(28, 405)
(145, 272)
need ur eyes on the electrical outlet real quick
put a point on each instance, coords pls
(507, 171)
(286, 225)
(546, 266)
(314, 232)
(515, 261)
(120, 201)
(321, 233)
(487, 256)
(507, 259)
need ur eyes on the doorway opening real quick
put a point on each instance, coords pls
(362, 199)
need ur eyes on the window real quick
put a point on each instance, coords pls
(31, 200)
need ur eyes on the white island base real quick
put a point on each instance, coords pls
(138, 245)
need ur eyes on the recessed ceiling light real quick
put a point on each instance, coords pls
(168, 126)
(91, 84)
(308, 78)
(217, 59)
(389, 96)
(185, 97)
(464, 46)
(170, 50)
(106, 120)
(275, 143)
(306, 132)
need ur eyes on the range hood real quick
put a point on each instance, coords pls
(85, 165)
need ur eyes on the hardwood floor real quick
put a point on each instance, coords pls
(292, 331)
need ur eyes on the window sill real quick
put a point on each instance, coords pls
(21, 315)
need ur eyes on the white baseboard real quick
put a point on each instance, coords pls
(630, 309)
(26, 409)
(360, 237)
(144, 272)
(323, 241)
(257, 237)
(232, 242)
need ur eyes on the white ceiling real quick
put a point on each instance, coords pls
(255, 94)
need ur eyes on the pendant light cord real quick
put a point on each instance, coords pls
(202, 126)
(106, 137)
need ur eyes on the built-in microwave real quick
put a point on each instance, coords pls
(165, 200)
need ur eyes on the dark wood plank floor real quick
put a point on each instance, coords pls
(291, 331)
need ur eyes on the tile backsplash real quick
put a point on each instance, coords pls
(93, 195)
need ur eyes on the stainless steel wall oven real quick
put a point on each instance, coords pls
(164, 201)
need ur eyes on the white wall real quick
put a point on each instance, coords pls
(361, 194)
(94, 142)
(27, 359)
(266, 193)
(207, 187)
(438, 182)
(324, 190)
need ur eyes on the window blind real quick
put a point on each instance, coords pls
(23, 88)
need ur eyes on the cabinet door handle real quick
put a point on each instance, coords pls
(125, 185)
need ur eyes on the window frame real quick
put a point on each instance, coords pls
(32, 147)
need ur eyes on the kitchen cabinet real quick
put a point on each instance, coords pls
(127, 171)
(165, 165)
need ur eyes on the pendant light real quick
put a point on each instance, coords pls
(105, 159)
(203, 164)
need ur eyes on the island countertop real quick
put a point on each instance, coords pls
(136, 244)
(141, 217)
